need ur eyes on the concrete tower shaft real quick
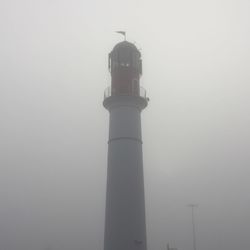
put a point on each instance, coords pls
(125, 227)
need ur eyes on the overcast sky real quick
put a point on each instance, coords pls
(54, 129)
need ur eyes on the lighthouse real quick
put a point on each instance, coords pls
(125, 225)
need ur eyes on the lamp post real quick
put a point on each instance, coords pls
(193, 206)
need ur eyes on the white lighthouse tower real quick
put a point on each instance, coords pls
(125, 226)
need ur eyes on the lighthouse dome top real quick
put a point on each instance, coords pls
(125, 45)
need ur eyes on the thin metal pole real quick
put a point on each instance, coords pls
(193, 224)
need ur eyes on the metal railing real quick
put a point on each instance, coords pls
(139, 92)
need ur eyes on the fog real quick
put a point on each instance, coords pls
(54, 129)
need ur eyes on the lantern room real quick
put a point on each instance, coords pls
(125, 66)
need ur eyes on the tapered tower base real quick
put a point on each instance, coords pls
(125, 227)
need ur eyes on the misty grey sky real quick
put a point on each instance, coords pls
(53, 128)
